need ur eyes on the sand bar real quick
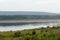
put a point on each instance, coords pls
(27, 21)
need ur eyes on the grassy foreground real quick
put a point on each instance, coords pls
(49, 33)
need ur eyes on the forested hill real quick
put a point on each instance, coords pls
(22, 17)
(25, 13)
(19, 15)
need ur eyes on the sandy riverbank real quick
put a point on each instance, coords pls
(23, 21)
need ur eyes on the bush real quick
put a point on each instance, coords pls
(48, 27)
(33, 33)
(28, 38)
(58, 38)
(17, 34)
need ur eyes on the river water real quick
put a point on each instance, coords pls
(24, 26)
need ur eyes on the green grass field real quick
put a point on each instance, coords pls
(49, 33)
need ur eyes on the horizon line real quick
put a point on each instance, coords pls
(29, 11)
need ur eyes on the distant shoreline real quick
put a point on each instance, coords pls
(29, 21)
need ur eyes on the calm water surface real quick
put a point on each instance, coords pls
(22, 26)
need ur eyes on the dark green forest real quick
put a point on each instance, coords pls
(23, 17)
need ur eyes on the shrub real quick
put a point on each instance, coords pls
(48, 27)
(58, 38)
(17, 34)
(33, 33)
(28, 38)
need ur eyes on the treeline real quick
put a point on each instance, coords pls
(49, 33)
(22, 17)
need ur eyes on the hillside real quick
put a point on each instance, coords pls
(28, 17)
(25, 13)
(21, 15)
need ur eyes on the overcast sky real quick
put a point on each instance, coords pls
(30, 5)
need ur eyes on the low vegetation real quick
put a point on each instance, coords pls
(49, 33)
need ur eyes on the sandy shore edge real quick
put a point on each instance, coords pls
(27, 21)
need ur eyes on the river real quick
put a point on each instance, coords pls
(26, 25)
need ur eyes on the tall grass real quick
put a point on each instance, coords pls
(49, 33)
